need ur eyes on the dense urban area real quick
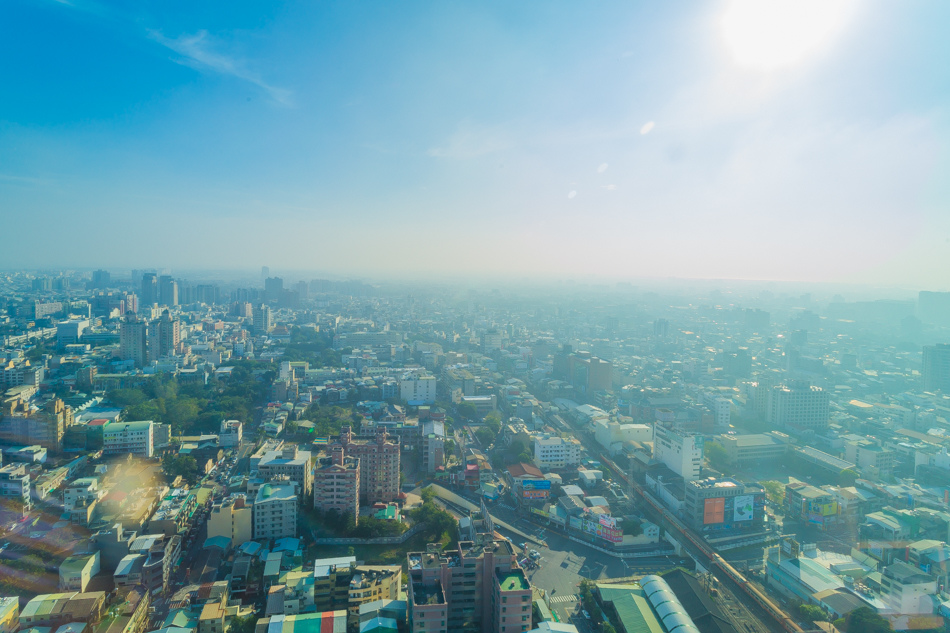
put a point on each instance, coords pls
(282, 454)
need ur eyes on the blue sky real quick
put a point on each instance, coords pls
(533, 138)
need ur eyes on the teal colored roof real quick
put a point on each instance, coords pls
(632, 607)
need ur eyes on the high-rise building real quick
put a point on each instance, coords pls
(273, 289)
(799, 406)
(149, 294)
(275, 511)
(289, 462)
(262, 319)
(129, 438)
(934, 307)
(936, 369)
(336, 483)
(478, 586)
(379, 465)
(101, 279)
(133, 340)
(167, 291)
(164, 336)
(682, 452)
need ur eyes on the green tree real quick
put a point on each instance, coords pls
(812, 613)
(847, 477)
(184, 465)
(717, 456)
(467, 410)
(866, 620)
(243, 624)
(493, 421)
(775, 491)
(632, 527)
(449, 447)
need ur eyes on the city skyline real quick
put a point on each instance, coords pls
(534, 141)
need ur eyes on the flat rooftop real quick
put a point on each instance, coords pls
(513, 581)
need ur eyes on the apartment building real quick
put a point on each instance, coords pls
(149, 562)
(418, 389)
(230, 434)
(476, 587)
(232, 518)
(373, 582)
(15, 490)
(275, 510)
(799, 406)
(129, 438)
(289, 462)
(336, 483)
(556, 453)
(872, 459)
(77, 570)
(379, 465)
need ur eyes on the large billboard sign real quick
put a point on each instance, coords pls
(742, 509)
(714, 510)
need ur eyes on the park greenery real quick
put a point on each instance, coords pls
(336, 524)
(194, 408)
(847, 477)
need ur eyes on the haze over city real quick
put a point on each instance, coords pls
(805, 142)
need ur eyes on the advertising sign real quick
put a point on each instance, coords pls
(714, 510)
(608, 521)
(606, 533)
(535, 494)
(536, 484)
(742, 508)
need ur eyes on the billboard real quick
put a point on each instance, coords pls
(604, 532)
(714, 510)
(536, 484)
(535, 494)
(742, 509)
(608, 521)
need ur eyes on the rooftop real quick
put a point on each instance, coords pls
(514, 580)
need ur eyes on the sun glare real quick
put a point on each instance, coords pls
(772, 34)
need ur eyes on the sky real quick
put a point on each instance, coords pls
(802, 141)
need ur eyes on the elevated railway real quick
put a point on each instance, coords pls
(723, 570)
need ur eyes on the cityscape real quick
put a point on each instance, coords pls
(210, 455)
(474, 317)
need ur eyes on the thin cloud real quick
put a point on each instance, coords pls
(197, 51)
(472, 141)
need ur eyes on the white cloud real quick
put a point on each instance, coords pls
(197, 51)
(647, 127)
(572, 194)
(602, 168)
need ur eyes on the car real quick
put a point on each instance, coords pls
(535, 554)
(586, 615)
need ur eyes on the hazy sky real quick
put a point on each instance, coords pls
(685, 139)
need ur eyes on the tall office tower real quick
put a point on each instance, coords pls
(131, 303)
(149, 294)
(265, 272)
(936, 368)
(101, 279)
(262, 319)
(799, 406)
(934, 307)
(133, 340)
(273, 288)
(164, 336)
(167, 291)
